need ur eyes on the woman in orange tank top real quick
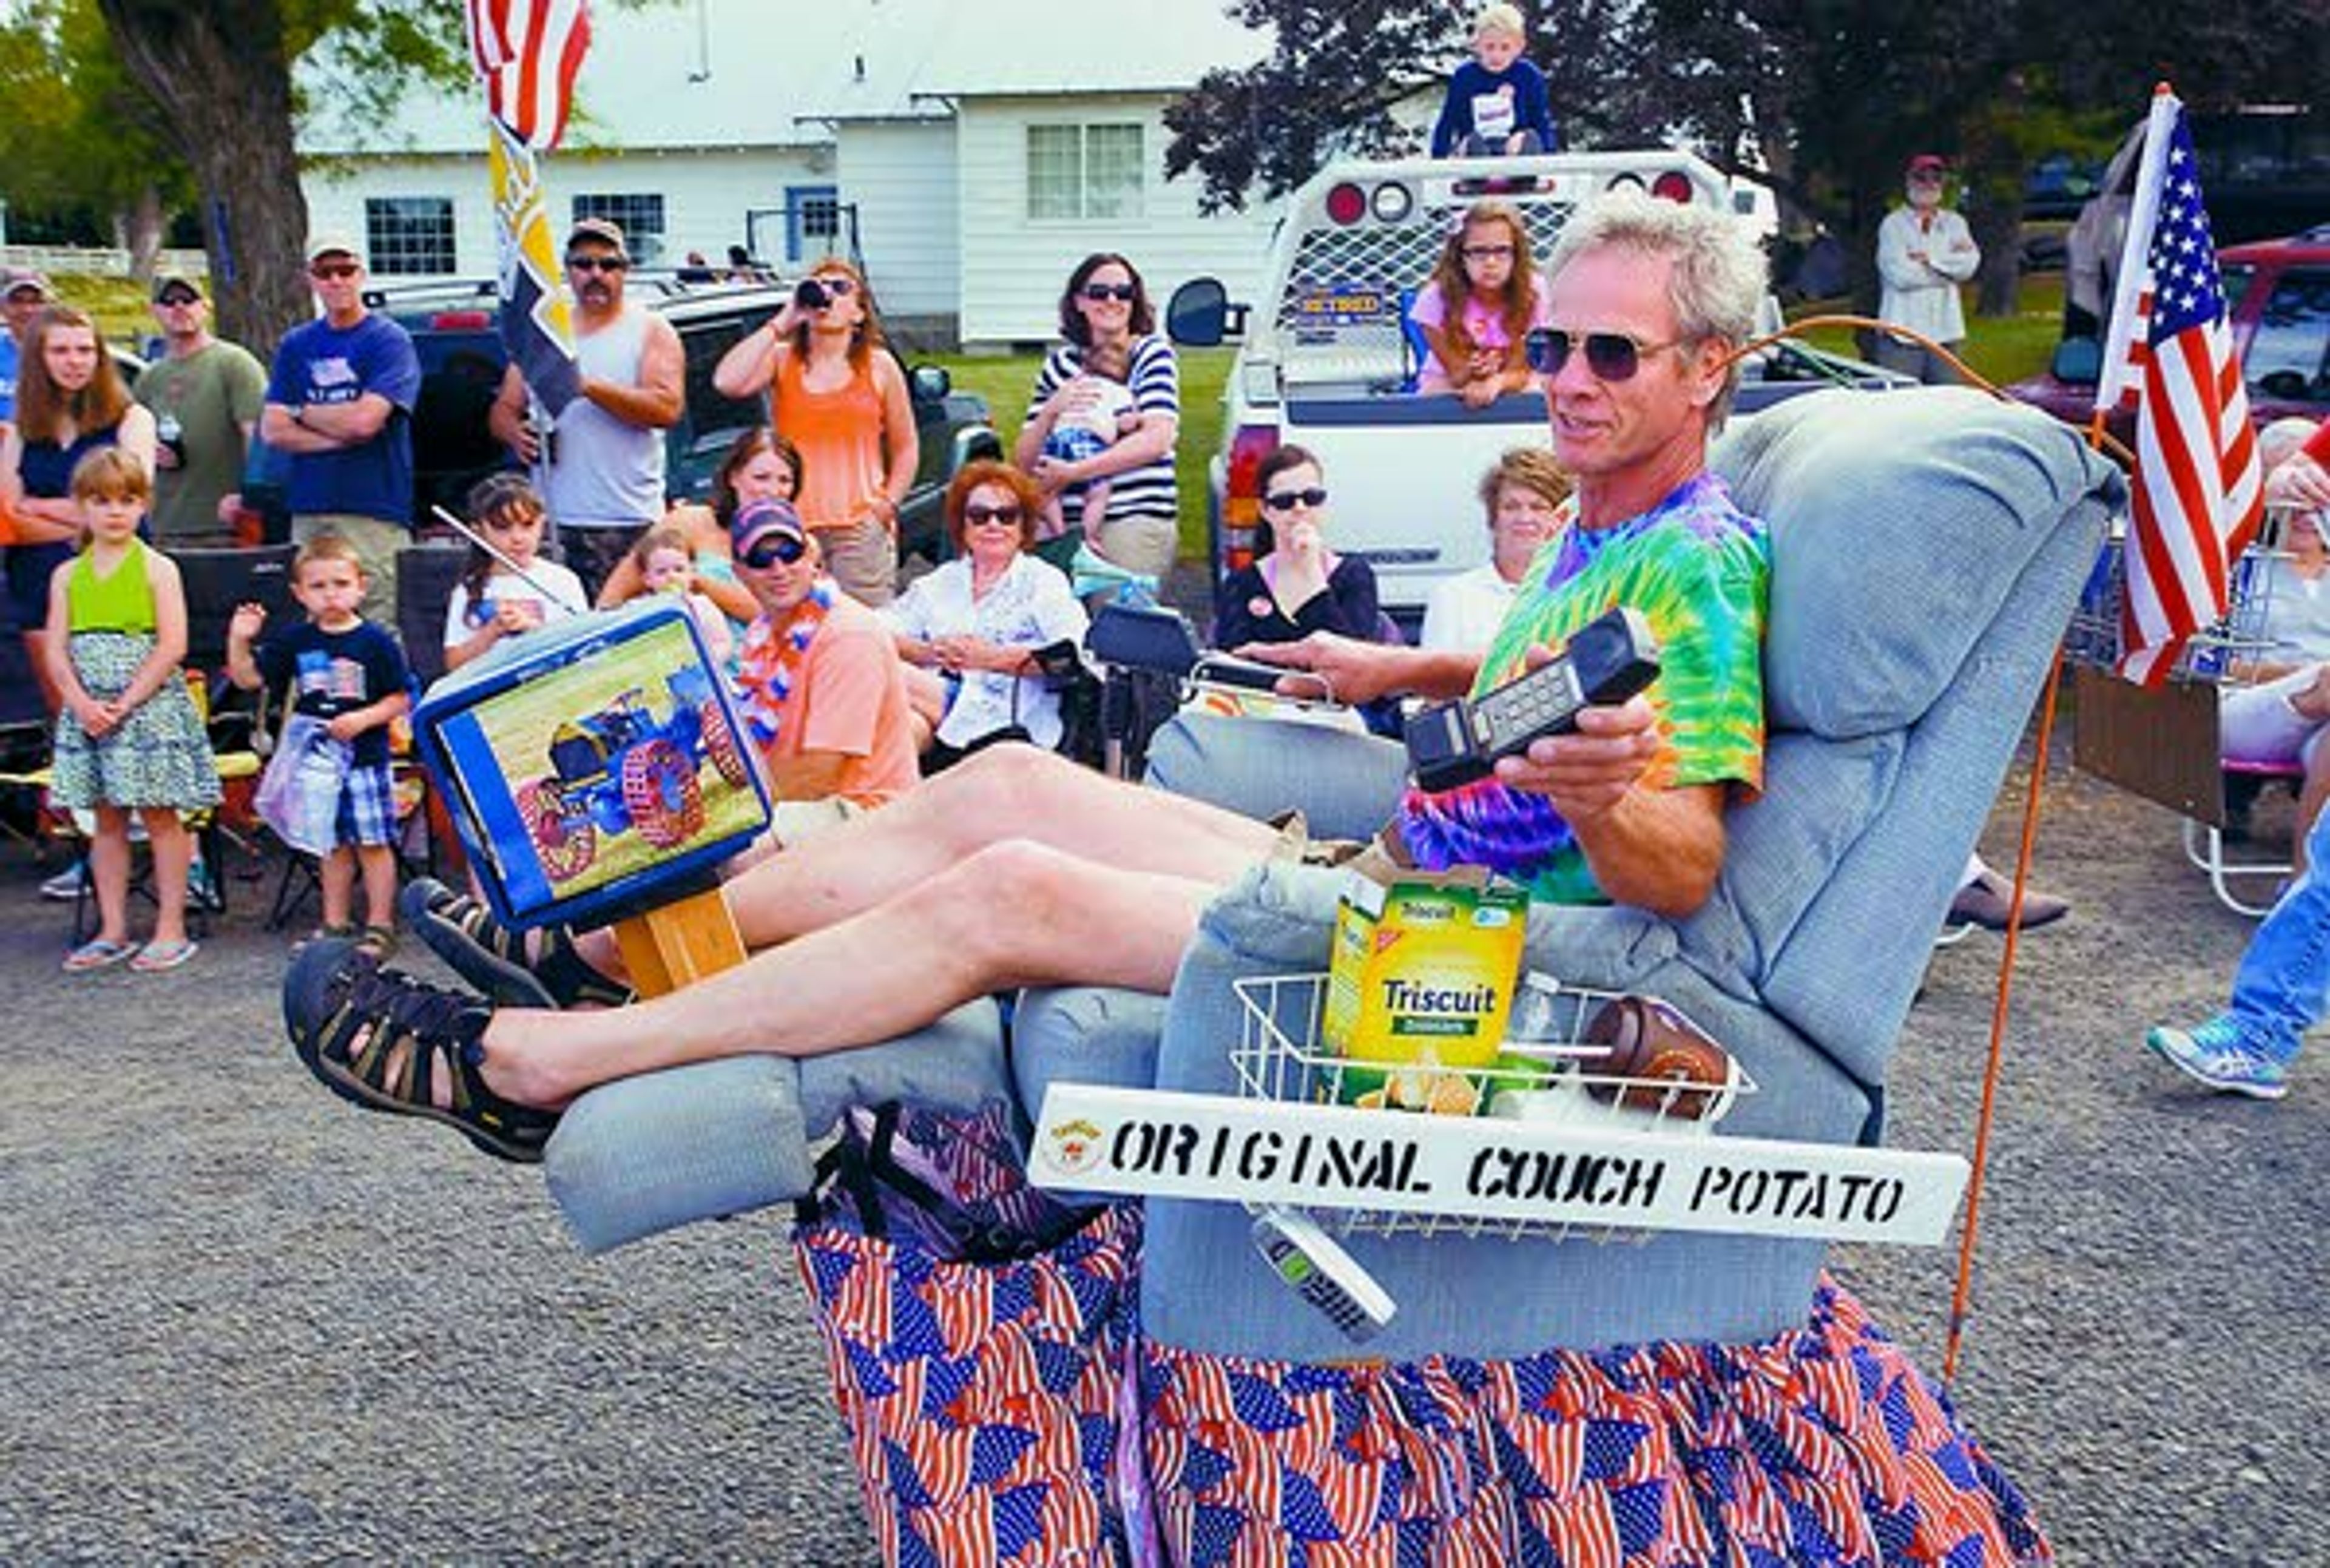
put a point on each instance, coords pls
(841, 399)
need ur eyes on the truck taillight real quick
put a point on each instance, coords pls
(1675, 185)
(1242, 493)
(1347, 204)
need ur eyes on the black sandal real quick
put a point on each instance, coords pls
(348, 1017)
(492, 957)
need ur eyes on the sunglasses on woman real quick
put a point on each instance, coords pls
(839, 287)
(1610, 355)
(764, 554)
(1284, 501)
(1099, 292)
(979, 515)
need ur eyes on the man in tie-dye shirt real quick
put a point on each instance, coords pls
(1020, 869)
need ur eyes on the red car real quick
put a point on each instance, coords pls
(2278, 293)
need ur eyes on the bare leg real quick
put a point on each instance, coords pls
(174, 850)
(108, 873)
(337, 873)
(1001, 795)
(378, 862)
(1011, 915)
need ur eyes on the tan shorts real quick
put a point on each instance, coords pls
(377, 543)
(1144, 545)
(862, 559)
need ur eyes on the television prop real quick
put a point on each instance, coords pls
(595, 772)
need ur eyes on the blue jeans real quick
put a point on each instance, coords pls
(2283, 986)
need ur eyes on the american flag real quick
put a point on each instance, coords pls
(528, 51)
(2199, 494)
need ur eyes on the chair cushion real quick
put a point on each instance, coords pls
(1876, 503)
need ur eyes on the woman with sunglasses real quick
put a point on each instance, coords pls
(70, 401)
(1480, 302)
(1106, 308)
(970, 629)
(841, 399)
(819, 681)
(1300, 585)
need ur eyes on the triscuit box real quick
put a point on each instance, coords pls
(1422, 980)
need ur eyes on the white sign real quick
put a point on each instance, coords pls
(1152, 1143)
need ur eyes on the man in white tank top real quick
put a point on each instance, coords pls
(601, 470)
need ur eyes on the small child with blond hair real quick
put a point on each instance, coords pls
(1496, 103)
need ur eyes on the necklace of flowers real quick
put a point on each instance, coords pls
(771, 662)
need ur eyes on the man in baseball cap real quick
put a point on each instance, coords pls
(206, 395)
(23, 293)
(1924, 252)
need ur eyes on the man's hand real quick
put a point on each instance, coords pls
(1587, 773)
(345, 726)
(2299, 482)
(1355, 671)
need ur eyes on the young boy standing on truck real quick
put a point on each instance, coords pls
(1496, 101)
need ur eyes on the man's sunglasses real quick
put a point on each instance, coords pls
(597, 264)
(1099, 292)
(978, 513)
(764, 554)
(1283, 501)
(179, 300)
(1610, 355)
(334, 270)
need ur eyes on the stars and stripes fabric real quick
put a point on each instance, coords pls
(1009, 1412)
(2198, 492)
(527, 52)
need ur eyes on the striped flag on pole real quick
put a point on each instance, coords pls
(528, 51)
(2198, 492)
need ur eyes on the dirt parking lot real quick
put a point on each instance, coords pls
(244, 1322)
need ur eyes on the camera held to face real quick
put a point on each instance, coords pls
(811, 295)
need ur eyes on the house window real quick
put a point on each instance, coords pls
(408, 236)
(638, 214)
(812, 222)
(1084, 171)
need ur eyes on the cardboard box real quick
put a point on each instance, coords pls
(1422, 980)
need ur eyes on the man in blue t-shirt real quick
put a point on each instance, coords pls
(339, 403)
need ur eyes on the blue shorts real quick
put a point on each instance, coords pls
(368, 806)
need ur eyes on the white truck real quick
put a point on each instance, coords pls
(1326, 358)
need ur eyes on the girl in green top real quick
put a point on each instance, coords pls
(129, 738)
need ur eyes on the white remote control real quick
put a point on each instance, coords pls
(1316, 1267)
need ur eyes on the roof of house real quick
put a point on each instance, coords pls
(694, 74)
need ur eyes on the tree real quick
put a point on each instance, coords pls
(219, 78)
(77, 136)
(1821, 100)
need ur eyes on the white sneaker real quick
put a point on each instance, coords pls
(66, 885)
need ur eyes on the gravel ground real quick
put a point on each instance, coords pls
(246, 1323)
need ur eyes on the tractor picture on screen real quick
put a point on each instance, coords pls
(619, 769)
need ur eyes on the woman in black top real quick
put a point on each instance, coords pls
(1299, 585)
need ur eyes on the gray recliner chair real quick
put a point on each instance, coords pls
(1927, 547)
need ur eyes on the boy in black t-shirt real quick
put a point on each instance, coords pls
(349, 674)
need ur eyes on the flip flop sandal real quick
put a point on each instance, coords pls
(158, 956)
(492, 957)
(348, 1023)
(98, 955)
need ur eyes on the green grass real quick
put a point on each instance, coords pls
(2001, 349)
(1005, 381)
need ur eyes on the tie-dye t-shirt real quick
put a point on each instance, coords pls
(1695, 566)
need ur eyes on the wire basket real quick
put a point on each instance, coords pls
(2211, 654)
(1281, 1056)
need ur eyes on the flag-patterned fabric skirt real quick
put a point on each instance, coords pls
(988, 1403)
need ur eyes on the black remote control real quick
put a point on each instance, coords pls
(1608, 660)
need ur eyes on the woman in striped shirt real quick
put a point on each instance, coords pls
(1105, 306)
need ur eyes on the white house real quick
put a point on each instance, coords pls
(971, 153)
